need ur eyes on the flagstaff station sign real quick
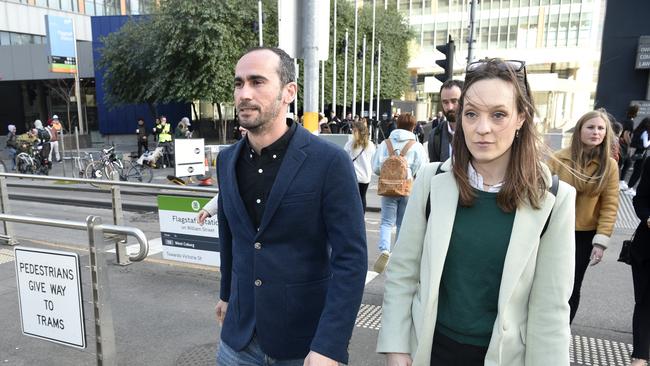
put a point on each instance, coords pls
(61, 44)
(49, 293)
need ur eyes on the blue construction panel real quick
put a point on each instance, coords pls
(123, 119)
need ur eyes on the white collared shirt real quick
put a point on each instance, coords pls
(451, 132)
(476, 181)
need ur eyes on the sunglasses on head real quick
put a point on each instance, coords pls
(514, 65)
(518, 67)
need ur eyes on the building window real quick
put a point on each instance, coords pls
(42, 3)
(443, 6)
(90, 8)
(5, 39)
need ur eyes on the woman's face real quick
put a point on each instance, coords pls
(592, 132)
(490, 120)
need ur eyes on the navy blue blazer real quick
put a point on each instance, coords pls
(297, 280)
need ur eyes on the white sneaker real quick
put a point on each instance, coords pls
(631, 192)
(622, 186)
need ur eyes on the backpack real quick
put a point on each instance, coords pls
(43, 135)
(394, 179)
(555, 184)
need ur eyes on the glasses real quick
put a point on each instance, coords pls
(516, 66)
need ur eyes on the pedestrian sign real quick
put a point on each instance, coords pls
(49, 293)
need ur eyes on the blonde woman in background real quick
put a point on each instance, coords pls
(361, 149)
(587, 165)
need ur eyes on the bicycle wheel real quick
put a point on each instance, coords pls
(95, 170)
(139, 173)
(24, 164)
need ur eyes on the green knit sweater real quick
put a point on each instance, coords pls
(469, 289)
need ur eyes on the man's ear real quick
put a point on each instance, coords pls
(289, 92)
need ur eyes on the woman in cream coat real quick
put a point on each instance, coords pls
(435, 275)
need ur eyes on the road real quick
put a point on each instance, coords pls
(163, 311)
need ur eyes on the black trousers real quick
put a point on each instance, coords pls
(448, 352)
(624, 162)
(583, 251)
(142, 147)
(636, 172)
(641, 318)
(363, 188)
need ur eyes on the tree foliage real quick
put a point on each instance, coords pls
(187, 51)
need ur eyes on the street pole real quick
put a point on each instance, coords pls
(77, 82)
(322, 87)
(378, 78)
(295, 100)
(310, 56)
(363, 77)
(345, 77)
(334, 40)
(372, 61)
(354, 55)
(470, 39)
(260, 27)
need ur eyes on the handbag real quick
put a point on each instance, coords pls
(626, 251)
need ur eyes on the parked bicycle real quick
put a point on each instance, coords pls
(30, 160)
(110, 167)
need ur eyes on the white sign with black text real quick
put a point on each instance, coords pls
(49, 293)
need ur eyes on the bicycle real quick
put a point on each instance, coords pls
(109, 167)
(30, 161)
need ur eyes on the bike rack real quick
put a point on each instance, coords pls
(116, 197)
(104, 329)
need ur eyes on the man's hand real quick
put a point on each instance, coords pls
(398, 359)
(648, 221)
(203, 215)
(220, 310)
(316, 359)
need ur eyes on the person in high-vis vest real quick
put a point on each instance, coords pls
(54, 128)
(165, 140)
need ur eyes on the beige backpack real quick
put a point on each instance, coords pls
(394, 178)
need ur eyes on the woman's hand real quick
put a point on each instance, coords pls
(596, 255)
(398, 359)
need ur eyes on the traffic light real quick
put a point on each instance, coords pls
(446, 63)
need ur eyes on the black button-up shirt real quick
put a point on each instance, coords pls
(256, 173)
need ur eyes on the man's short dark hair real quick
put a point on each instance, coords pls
(286, 70)
(452, 83)
(632, 111)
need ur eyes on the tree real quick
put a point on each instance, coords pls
(126, 58)
(393, 32)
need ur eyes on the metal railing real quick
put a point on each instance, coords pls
(104, 329)
(116, 202)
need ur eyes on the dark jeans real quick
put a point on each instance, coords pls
(363, 188)
(583, 251)
(636, 173)
(447, 352)
(641, 318)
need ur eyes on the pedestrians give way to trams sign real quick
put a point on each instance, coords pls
(49, 293)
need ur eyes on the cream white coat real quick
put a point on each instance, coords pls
(532, 324)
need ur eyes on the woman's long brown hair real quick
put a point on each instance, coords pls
(360, 133)
(524, 180)
(580, 156)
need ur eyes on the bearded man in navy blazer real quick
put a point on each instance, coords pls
(291, 230)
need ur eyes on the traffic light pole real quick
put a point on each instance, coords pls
(310, 67)
(472, 29)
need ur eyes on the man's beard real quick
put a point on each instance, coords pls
(256, 125)
(450, 116)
